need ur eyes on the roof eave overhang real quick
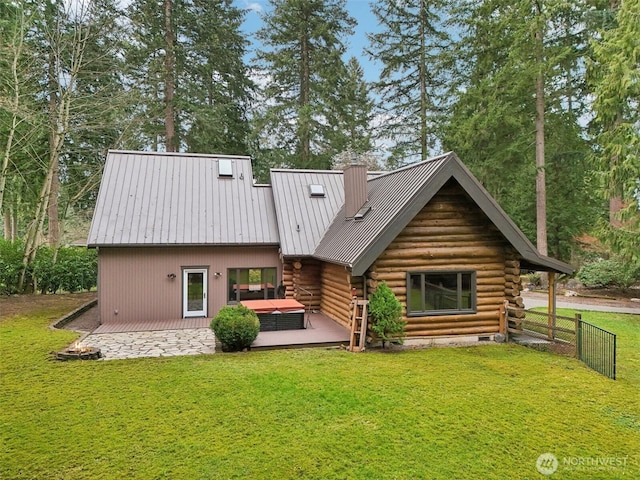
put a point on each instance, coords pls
(546, 264)
(128, 245)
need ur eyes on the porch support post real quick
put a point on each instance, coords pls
(551, 304)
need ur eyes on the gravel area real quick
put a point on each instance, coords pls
(87, 322)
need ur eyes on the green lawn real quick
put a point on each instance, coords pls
(477, 412)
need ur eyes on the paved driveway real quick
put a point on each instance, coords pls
(533, 300)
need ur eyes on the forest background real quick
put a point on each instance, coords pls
(540, 99)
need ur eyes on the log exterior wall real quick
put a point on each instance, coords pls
(451, 233)
(301, 276)
(336, 293)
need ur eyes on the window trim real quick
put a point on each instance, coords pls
(237, 272)
(456, 311)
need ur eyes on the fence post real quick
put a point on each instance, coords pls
(504, 320)
(551, 303)
(578, 318)
(615, 337)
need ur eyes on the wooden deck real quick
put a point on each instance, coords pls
(153, 325)
(320, 331)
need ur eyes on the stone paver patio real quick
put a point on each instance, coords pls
(160, 343)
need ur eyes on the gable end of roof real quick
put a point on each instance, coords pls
(383, 229)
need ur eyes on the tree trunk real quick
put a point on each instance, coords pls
(423, 84)
(169, 80)
(304, 117)
(55, 131)
(53, 213)
(35, 230)
(615, 202)
(541, 189)
(16, 44)
(9, 224)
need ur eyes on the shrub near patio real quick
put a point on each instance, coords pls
(466, 413)
(236, 327)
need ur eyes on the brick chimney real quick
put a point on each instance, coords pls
(355, 189)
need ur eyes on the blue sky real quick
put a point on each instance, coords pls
(359, 9)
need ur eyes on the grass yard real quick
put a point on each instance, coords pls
(478, 412)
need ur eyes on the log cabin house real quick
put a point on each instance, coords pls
(181, 235)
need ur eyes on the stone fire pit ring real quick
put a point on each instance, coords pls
(79, 353)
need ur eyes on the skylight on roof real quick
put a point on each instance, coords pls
(316, 190)
(225, 167)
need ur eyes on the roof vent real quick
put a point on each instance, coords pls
(360, 214)
(316, 190)
(225, 168)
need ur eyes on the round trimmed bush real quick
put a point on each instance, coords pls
(236, 327)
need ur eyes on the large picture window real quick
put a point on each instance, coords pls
(440, 293)
(251, 284)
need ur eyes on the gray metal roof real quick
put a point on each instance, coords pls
(396, 197)
(149, 198)
(303, 219)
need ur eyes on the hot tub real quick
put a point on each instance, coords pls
(277, 314)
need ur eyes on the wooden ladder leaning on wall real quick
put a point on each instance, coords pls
(358, 325)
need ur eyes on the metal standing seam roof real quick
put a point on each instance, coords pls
(150, 198)
(303, 219)
(155, 199)
(396, 197)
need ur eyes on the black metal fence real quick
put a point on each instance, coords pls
(596, 347)
(592, 345)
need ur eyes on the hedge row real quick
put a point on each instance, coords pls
(75, 269)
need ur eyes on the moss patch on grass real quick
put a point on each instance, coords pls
(472, 412)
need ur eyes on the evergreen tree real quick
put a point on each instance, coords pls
(616, 81)
(154, 58)
(518, 71)
(353, 110)
(301, 63)
(186, 63)
(217, 89)
(410, 48)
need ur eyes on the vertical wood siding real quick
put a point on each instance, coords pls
(449, 233)
(133, 281)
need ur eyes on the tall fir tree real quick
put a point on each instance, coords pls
(217, 90)
(517, 72)
(301, 63)
(352, 113)
(154, 59)
(187, 65)
(410, 47)
(615, 76)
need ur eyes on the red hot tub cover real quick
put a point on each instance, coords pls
(284, 305)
